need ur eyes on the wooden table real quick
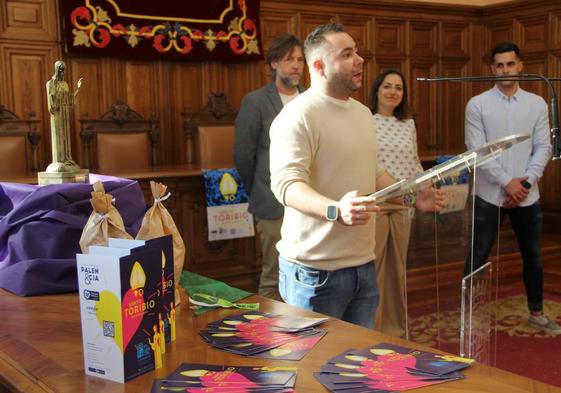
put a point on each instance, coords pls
(41, 351)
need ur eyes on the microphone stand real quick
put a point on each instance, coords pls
(555, 137)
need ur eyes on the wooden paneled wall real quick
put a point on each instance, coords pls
(421, 39)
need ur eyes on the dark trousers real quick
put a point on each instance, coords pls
(527, 225)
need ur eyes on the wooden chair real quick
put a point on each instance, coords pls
(209, 134)
(19, 143)
(121, 140)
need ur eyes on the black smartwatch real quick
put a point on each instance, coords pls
(332, 212)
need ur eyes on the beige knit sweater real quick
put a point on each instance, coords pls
(331, 145)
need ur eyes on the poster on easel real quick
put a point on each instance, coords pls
(227, 203)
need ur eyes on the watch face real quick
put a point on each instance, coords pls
(331, 212)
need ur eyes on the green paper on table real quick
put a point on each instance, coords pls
(217, 292)
(204, 300)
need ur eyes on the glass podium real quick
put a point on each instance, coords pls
(450, 303)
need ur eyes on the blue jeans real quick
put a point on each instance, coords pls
(350, 294)
(527, 225)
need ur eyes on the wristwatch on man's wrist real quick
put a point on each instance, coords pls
(332, 212)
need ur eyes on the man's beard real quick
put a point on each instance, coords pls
(289, 82)
(342, 85)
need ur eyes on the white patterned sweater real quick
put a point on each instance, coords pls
(397, 141)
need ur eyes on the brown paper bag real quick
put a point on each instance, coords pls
(104, 222)
(158, 222)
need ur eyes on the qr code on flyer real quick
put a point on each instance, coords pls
(108, 329)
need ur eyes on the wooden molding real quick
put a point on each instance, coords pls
(28, 20)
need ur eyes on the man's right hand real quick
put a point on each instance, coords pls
(355, 209)
(515, 191)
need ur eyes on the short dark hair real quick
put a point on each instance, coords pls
(505, 47)
(401, 112)
(279, 47)
(317, 37)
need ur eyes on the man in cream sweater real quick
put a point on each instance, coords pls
(324, 158)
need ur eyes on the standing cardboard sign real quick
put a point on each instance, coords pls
(122, 298)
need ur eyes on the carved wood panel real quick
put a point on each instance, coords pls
(383, 64)
(534, 32)
(453, 97)
(555, 30)
(26, 69)
(497, 32)
(276, 23)
(425, 115)
(241, 78)
(90, 102)
(34, 19)
(390, 37)
(113, 76)
(141, 82)
(166, 112)
(187, 84)
(309, 21)
(423, 39)
(454, 40)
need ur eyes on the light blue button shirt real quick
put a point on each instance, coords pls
(492, 115)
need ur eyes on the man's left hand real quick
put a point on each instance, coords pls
(510, 203)
(430, 199)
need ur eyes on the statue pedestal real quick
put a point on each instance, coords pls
(79, 176)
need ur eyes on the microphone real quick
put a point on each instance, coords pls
(555, 138)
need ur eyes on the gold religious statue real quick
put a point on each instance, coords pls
(60, 101)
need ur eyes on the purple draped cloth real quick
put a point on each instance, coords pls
(40, 229)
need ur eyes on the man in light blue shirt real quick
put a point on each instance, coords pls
(509, 184)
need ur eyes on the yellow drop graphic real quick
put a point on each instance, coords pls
(233, 323)
(253, 317)
(242, 345)
(109, 312)
(194, 373)
(277, 352)
(163, 260)
(223, 334)
(344, 365)
(228, 185)
(356, 358)
(353, 375)
(381, 352)
(138, 277)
